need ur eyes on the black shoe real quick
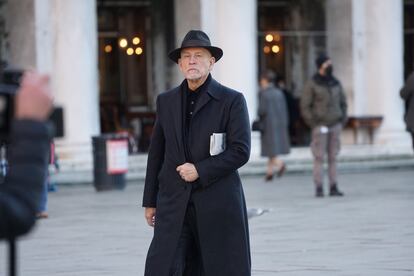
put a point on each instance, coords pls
(268, 177)
(334, 191)
(281, 171)
(319, 192)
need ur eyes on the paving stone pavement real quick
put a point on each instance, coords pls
(370, 231)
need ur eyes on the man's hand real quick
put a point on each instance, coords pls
(150, 216)
(188, 172)
(34, 98)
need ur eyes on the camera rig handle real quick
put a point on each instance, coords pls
(12, 256)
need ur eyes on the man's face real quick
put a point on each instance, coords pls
(326, 64)
(264, 83)
(195, 63)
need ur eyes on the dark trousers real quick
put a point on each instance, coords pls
(187, 259)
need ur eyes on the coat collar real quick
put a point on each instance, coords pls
(212, 92)
(214, 89)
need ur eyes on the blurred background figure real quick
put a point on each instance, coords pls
(42, 206)
(273, 114)
(49, 186)
(324, 109)
(407, 94)
(293, 110)
(54, 167)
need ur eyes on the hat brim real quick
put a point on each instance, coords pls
(216, 52)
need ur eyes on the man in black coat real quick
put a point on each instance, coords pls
(193, 195)
(407, 94)
(29, 144)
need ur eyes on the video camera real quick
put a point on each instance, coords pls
(9, 84)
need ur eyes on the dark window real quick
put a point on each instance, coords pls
(123, 61)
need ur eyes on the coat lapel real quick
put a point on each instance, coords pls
(204, 99)
(177, 118)
(212, 92)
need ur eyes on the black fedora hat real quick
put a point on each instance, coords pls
(196, 38)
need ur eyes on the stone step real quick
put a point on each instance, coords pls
(351, 158)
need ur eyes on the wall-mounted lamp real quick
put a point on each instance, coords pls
(108, 48)
(136, 40)
(123, 43)
(269, 38)
(275, 49)
(139, 51)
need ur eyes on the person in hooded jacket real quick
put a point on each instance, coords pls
(324, 109)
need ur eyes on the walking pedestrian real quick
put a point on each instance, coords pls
(407, 94)
(48, 186)
(274, 117)
(324, 109)
(193, 195)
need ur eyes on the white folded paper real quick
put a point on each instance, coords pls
(217, 143)
(324, 129)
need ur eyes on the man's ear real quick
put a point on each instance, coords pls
(179, 62)
(212, 61)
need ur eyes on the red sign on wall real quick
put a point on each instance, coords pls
(117, 156)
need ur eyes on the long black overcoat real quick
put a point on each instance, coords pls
(219, 203)
(407, 93)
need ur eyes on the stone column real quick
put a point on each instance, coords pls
(76, 68)
(187, 15)
(340, 46)
(21, 28)
(30, 41)
(237, 36)
(59, 37)
(384, 66)
(44, 36)
(367, 51)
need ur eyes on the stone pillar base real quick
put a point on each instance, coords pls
(393, 137)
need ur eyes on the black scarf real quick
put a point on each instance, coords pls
(327, 81)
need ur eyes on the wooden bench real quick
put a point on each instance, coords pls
(370, 123)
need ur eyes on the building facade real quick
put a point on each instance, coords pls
(108, 59)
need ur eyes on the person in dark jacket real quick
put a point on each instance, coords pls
(28, 153)
(193, 196)
(407, 94)
(324, 109)
(273, 114)
(293, 110)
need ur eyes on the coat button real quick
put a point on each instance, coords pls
(185, 187)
